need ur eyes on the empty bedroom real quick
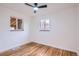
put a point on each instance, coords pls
(39, 29)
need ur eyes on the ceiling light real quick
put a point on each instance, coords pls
(35, 8)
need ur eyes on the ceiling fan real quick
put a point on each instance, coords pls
(36, 7)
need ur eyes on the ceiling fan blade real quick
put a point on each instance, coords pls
(43, 6)
(29, 4)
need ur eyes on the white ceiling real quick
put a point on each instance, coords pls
(27, 10)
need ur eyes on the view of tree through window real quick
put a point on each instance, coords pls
(15, 24)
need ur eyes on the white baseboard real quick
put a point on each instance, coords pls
(15, 46)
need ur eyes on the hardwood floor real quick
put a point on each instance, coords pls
(35, 49)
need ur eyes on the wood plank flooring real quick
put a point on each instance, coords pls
(35, 49)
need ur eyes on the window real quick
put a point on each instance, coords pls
(44, 25)
(15, 24)
(19, 23)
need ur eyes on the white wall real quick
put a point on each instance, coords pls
(63, 26)
(10, 39)
(77, 28)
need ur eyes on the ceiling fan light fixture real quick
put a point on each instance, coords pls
(35, 8)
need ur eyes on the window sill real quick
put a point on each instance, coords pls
(16, 30)
(45, 30)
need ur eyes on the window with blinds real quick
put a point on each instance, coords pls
(44, 25)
